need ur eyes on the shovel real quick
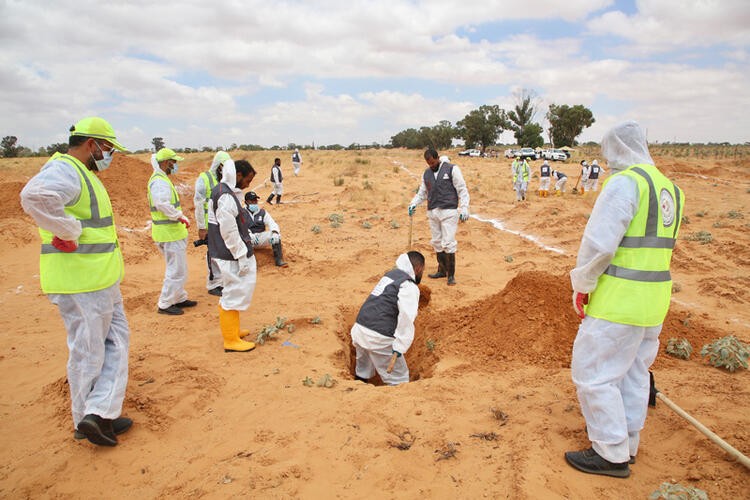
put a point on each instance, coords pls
(654, 393)
(575, 188)
(411, 230)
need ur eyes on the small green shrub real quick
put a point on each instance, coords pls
(702, 236)
(702, 213)
(508, 258)
(362, 161)
(735, 214)
(728, 352)
(338, 181)
(316, 320)
(676, 287)
(676, 491)
(679, 348)
(685, 219)
(367, 185)
(315, 229)
(366, 225)
(430, 345)
(271, 330)
(395, 224)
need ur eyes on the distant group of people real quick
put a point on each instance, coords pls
(589, 177)
(621, 282)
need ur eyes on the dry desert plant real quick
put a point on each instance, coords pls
(269, 331)
(702, 236)
(728, 352)
(315, 229)
(679, 348)
(676, 491)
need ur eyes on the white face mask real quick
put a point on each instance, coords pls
(252, 207)
(104, 163)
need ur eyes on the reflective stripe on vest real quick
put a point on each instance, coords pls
(163, 229)
(97, 262)
(636, 287)
(209, 181)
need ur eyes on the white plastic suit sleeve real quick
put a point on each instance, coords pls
(47, 194)
(199, 199)
(408, 302)
(610, 218)
(460, 184)
(421, 194)
(270, 223)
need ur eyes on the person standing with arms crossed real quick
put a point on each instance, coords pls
(276, 180)
(229, 243)
(621, 290)
(203, 186)
(169, 232)
(444, 188)
(80, 268)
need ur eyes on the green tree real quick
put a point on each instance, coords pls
(60, 147)
(158, 143)
(521, 118)
(567, 123)
(8, 145)
(482, 126)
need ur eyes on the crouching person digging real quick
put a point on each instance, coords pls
(229, 245)
(384, 329)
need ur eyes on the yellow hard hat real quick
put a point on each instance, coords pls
(167, 154)
(97, 128)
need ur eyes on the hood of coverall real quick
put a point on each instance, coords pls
(625, 145)
(219, 158)
(403, 263)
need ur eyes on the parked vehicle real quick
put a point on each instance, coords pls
(470, 152)
(527, 154)
(554, 155)
(510, 153)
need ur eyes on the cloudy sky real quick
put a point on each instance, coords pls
(213, 73)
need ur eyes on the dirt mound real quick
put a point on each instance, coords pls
(10, 206)
(531, 321)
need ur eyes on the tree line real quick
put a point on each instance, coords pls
(482, 127)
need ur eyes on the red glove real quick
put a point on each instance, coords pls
(184, 221)
(579, 300)
(66, 246)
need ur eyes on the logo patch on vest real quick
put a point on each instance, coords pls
(667, 207)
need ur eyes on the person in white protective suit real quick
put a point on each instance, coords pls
(595, 171)
(585, 172)
(229, 245)
(544, 175)
(560, 180)
(276, 180)
(203, 186)
(385, 324)
(521, 175)
(296, 161)
(264, 230)
(622, 287)
(81, 266)
(169, 232)
(445, 190)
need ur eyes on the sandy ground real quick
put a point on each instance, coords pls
(491, 409)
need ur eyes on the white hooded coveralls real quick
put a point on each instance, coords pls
(444, 221)
(374, 350)
(278, 186)
(98, 335)
(264, 237)
(610, 360)
(202, 193)
(174, 252)
(238, 290)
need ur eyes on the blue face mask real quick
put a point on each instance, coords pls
(104, 163)
(253, 208)
(174, 168)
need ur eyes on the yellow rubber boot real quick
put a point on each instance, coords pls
(230, 330)
(244, 333)
(583, 191)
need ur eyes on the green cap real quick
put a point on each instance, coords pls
(167, 154)
(97, 128)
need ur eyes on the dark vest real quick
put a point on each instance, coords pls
(594, 172)
(561, 175)
(546, 170)
(440, 190)
(380, 310)
(256, 221)
(216, 246)
(295, 157)
(281, 177)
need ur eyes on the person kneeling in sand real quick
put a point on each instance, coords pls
(263, 229)
(384, 328)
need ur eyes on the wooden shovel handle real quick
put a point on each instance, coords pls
(392, 362)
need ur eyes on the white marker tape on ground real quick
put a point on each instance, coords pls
(403, 167)
(534, 239)
(693, 306)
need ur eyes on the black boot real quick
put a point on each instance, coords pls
(278, 199)
(270, 198)
(450, 267)
(441, 266)
(277, 255)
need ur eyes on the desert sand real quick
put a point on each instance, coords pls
(491, 408)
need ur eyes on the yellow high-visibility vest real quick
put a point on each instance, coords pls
(209, 181)
(97, 262)
(636, 287)
(164, 229)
